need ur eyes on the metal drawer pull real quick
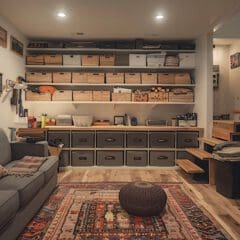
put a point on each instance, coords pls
(188, 140)
(109, 158)
(110, 140)
(82, 158)
(161, 140)
(137, 158)
(82, 139)
(162, 157)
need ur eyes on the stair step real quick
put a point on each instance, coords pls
(210, 141)
(199, 153)
(188, 166)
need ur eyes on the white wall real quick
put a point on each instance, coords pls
(11, 66)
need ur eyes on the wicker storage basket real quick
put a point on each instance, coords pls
(107, 60)
(62, 95)
(82, 95)
(95, 78)
(41, 77)
(79, 77)
(121, 97)
(90, 60)
(53, 59)
(101, 96)
(114, 78)
(166, 78)
(183, 78)
(62, 77)
(35, 60)
(132, 78)
(32, 96)
(149, 78)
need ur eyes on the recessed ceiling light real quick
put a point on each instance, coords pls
(61, 14)
(159, 17)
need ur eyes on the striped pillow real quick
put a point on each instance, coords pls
(3, 171)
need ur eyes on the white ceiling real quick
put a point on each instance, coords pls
(116, 18)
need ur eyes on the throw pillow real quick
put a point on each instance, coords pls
(3, 171)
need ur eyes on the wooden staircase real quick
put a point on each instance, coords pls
(199, 153)
(188, 166)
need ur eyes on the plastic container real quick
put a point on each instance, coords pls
(82, 121)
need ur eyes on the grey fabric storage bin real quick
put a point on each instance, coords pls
(137, 158)
(185, 155)
(83, 139)
(82, 158)
(64, 159)
(162, 158)
(110, 139)
(59, 137)
(122, 59)
(187, 139)
(137, 139)
(162, 140)
(110, 158)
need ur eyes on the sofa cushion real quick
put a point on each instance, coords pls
(49, 168)
(9, 204)
(5, 148)
(3, 171)
(27, 187)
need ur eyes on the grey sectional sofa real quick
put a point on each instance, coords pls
(22, 197)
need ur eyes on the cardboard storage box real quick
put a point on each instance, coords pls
(35, 60)
(62, 95)
(132, 78)
(39, 77)
(32, 96)
(96, 78)
(53, 59)
(62, 77)
(149, 78)
(187, 60)
(101, 96)
(166, 78)
(82, 95)
(79, 77)
(137, 60)
(90, 60)
(182, 78)
(156, 60)
(114, 78)
(121, 97)
(107, 60)
(72, 60)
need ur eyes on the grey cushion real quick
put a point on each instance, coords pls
(5, 148)
(9, 204)
(27, 187)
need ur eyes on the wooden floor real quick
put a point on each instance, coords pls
(225, 211)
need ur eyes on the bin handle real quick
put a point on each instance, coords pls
(109, 158)
(137, 158)
(82, 158)
(162, 157)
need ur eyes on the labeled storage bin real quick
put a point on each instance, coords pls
(33, 96)
(59, 137)
(35, 60)
(162, 158)
(110, 139)
(83, 139)
(107, 60)
(149, 78)
(113, 78)
(62, 77)
(182, 78)
(172, 60)
(187, 60)
(156, 59)
(121, 97)
(39, 77)
(90, 60)
(79, 77)
(96, 78)
(137, 60)
(74, 60)
(82, 96)
(62, 95)
(137, 158)
(187, 139)
(162, 140)
(101, 96)
(132, 78)
(137, 140)
(53, 59)
(166, 78)
(64, 159)
(82, 158)
(110, 158)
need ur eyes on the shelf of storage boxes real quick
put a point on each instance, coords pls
(110, 70)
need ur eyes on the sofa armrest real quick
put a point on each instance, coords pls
(21, 149)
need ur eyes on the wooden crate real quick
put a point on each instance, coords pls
(157, 97)
(132, 78)
(166, 78)
(140, 97)
(32, 96)
(101, 96)
(82, 95)
(90, 60)
(62, 95)
(39, 77)
(182, 78)
(107, 60)
(181, 97)
(114, 78)
(53, 59)
(79, 77)
(149, 78)
(35, 60)
(96, 78)
(62, 77)
(121, 97)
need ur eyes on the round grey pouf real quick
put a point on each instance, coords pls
(142, 199)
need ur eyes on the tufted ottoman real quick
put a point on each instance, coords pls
(142, 199)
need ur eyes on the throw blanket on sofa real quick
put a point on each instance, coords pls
(28, 165)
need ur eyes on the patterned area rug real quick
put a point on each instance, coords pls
(91, 211)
